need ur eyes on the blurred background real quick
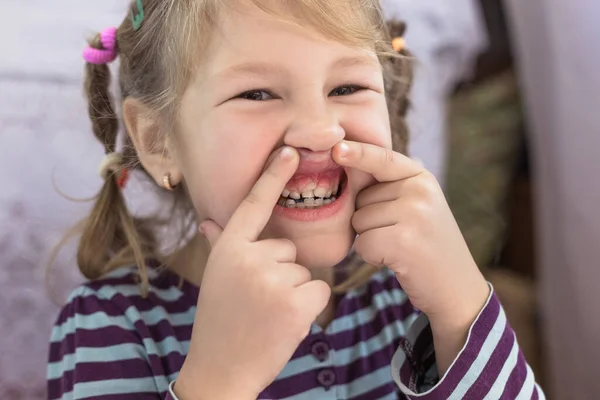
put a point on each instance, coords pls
(504, 113)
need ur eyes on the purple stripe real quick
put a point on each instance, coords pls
(379, 392)
(536, 394)
(102, 337)
(113, 335)
(56, 387)
(132, 396)
(516, 379)
(307, 380)
(166, 364)
(163, 330)
(390, 315)
(100, 371)
(116, 306)
(375, 287)
(498, 358)
(481, 330)
(407, 374)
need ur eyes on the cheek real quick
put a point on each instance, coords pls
(368, 123)
(223, 159)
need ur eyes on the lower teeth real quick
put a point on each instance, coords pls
(305, 203)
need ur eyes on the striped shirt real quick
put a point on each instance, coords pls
(110, 343)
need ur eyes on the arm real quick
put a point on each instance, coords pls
(96, 352)
(488, 365)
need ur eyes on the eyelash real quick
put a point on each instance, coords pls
(248, 95)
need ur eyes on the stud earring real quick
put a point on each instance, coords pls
(167, 182)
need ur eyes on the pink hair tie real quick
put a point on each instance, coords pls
(108, 53)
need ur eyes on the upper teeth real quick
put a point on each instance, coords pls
(311, 191)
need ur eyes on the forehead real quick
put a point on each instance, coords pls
(248, 34)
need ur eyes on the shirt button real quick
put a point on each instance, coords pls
(326, 378)
(320, 350)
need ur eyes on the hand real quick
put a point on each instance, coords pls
(256, 304)
(405, 223)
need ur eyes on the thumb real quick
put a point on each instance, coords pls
(211, 230)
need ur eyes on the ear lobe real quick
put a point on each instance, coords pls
(150, 141)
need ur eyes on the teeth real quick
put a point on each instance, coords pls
(300, 205)
(290, 203)
(295, 195)
(309, 201)
(326, 201)
(308, 193)
(285, 193)
(320, 192)
(329, 193)
(335, 186)
(319, 202)
(310, 186)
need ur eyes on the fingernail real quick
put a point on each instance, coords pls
(286, 153)
(344, 149)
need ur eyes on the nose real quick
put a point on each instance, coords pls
(316, 128)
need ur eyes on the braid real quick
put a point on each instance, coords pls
(105, 123)
(110, 235)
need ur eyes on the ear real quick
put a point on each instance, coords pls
(153, 145)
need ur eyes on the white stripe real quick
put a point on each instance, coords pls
(316, 393)
(365, 315)
(511, 361)
(115, 386)
(491, 342)
(541, 395)
(365, 383)
(121, 352)
(528, 386)
(100, 319)
(348, 355)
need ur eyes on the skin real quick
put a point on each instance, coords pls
(266, 275)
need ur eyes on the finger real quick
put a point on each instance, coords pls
(289, 274)
(211, 230)
(280, 250)
(254, 212)
(384, 164)
(312, 297)
(372, 246)
(379, 193)
(374, 216)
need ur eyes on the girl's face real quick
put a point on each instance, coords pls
(267, 83)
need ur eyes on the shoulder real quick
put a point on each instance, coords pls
(117, 300)
(108, 332)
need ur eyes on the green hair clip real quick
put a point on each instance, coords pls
(138, 18)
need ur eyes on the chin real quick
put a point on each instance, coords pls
(323, 251)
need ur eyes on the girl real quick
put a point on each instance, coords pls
(270, 119)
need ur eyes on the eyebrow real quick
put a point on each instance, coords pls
(253, 68)
(264, 69)
(350, 62)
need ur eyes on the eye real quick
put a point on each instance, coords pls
(256, 95)
(346, 90)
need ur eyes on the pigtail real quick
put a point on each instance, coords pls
(110, 235)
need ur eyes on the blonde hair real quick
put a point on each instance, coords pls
(157, 62)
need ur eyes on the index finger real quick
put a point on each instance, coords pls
(384, 164)
(253, 214)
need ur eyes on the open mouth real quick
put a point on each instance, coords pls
(315, 190)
